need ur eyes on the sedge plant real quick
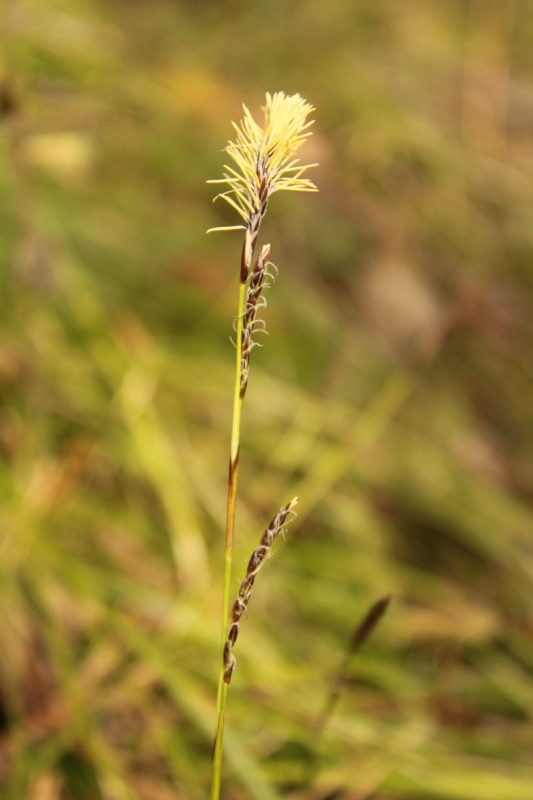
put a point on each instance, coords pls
(264, 161)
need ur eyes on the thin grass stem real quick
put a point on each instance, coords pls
(230, 526)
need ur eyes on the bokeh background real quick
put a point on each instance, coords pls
(394, 395)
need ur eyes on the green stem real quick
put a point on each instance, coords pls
(230, 525)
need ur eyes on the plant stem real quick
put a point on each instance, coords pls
(230, 525)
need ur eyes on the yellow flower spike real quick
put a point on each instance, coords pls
(264, 158)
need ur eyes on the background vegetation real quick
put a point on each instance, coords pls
(394, 396)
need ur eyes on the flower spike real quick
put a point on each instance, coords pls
(264, 157)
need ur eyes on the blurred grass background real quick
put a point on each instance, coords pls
(394, 396)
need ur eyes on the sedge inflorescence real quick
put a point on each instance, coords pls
(264, 158)
(264, 162)
(255, 563)
(254, 301)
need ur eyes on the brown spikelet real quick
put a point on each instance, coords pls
(255, 563)
(253, 303)
(363, 630)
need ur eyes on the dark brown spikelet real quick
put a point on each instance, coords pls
(363, 630)
(255, 563)
(253, 303)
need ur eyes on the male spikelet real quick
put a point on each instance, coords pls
(265, 163)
